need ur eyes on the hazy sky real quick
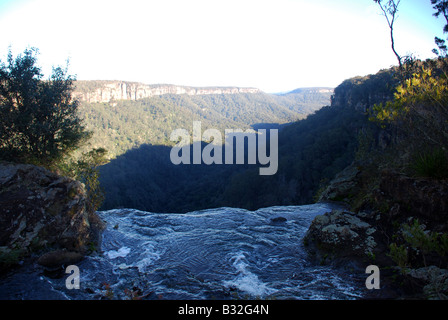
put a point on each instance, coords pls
(274, 45)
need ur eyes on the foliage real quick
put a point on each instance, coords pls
(441, 7)
(417, 238)
(311, 150)
(122, 125)
(39, 122)
(419, 242)
(88, 173)
(85, 168)
(419, 111)
(432, 164)
(399, 254)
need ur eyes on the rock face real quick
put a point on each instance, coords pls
(41, 211)
(435, 281)
(422, 198)
(342, 186)
(107, 91)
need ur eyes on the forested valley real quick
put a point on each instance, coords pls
(140, 174)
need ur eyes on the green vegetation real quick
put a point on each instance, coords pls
(418, 246)
(310, 151)
(432, 164)
(86, 170)
(123, 125)
(399, 255)
(38, 120)
(40, 123)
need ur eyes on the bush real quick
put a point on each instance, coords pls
(432, 164)
(39, 121)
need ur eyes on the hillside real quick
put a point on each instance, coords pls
(122, 124)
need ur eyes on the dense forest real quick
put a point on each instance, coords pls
(125, 124)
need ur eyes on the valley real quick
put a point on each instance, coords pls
(137, 131)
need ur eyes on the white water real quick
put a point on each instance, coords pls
(223, 253)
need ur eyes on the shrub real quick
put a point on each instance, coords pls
(432, 164)
(39, 121)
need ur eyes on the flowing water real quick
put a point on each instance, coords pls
(223, 253)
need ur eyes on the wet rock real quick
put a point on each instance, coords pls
(58, 258)
(278, 220)
(341, 235)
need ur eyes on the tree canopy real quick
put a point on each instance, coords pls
(39, 122)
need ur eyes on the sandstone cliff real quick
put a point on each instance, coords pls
(107, 91)
(42, 213)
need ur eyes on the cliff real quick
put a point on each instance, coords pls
(361, 93)
(44, 216)
(107, 91)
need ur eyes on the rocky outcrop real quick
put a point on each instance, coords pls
(342, 186)
(107, 91)
(42, 212)
(340, 236)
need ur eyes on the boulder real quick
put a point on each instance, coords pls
(56, 258)
(340, 236)
(41, 211)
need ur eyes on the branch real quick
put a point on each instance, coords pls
(391, 10)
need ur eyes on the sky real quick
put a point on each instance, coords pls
(273, 45)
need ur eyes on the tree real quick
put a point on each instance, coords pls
(39, 122)
(441, 7)
(390, 11)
